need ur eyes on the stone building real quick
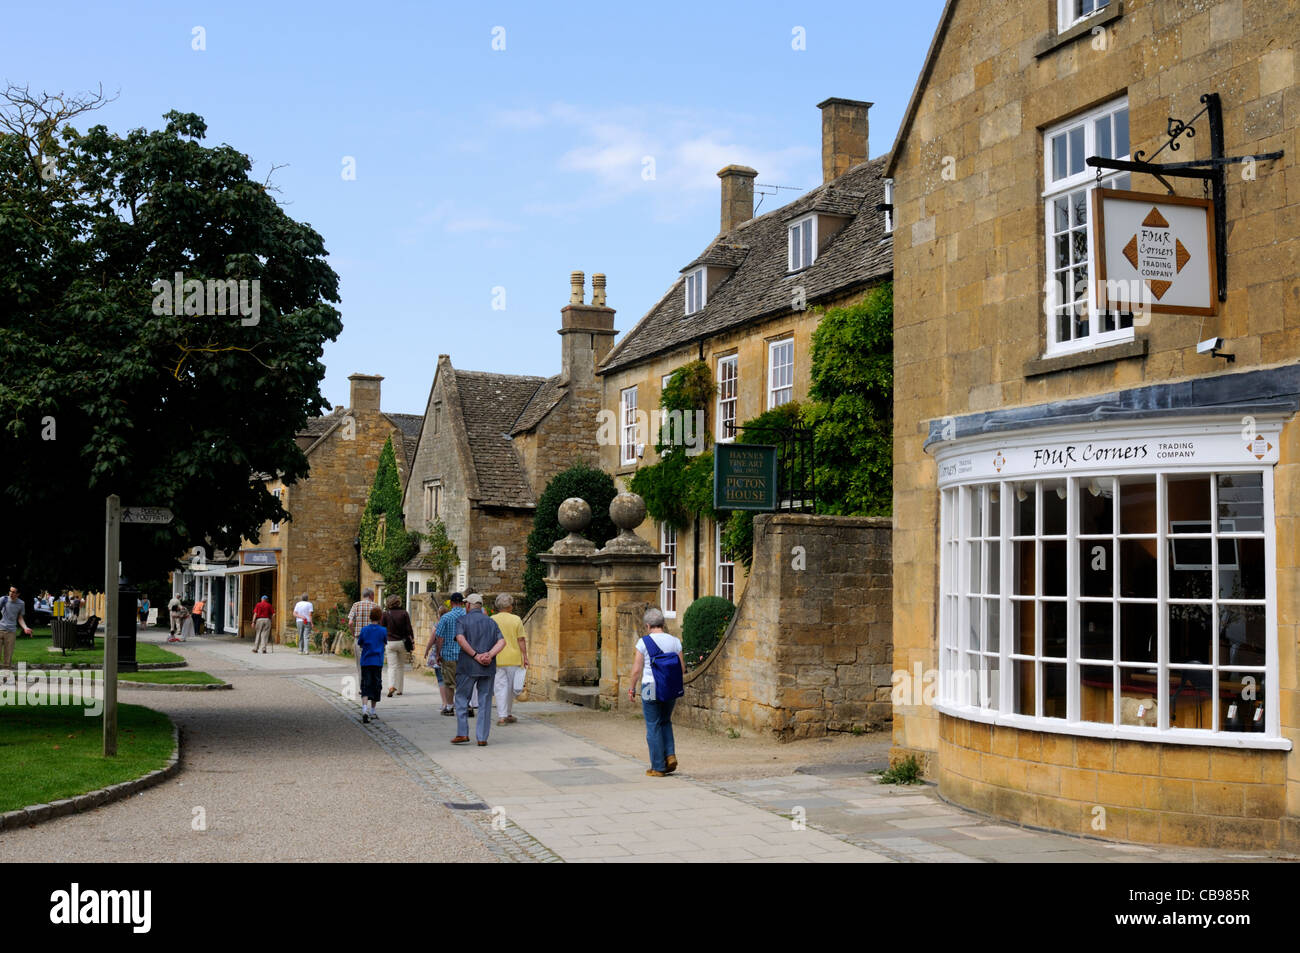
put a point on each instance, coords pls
(746, 306)
(491, 442)
(1096, 602)
(317, 549)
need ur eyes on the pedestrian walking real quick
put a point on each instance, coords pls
(401, 641)
(263, 613)
(448, 649)
(11, 620)
(302, 612)
(480, 643)
(370, 656)
(144, 611)
(660, 682)
(512, 661)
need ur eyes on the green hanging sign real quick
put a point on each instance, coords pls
(744, 477)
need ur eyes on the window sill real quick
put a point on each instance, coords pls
(1172, 736)
(1053, 363)
(1054, 41)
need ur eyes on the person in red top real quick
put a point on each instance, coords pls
(263, 612)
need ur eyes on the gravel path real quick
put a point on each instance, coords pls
(281, 774)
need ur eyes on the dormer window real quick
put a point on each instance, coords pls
(695, 291)
(803, 243)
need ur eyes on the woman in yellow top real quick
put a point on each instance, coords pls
(511, 660)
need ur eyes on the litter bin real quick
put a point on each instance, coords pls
(127, 619)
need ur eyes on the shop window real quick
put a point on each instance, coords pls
(1139, 600)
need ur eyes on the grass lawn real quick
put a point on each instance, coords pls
(53, 752)
(35, 652)
(171, 676)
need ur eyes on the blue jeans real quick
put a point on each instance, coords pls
(659, 730)
(465, 686)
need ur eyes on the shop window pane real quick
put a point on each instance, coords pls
(1054, 567)
(1137, 506)
(1054, 629)
(995, 514)
(1023, 690)
(1097, 694)
(973, 623)
(1137, 568)
(975, 507)
(1053, 508)
(1241, 636)
(1241, 569)
(1189, 568)
(1241, 502)
(1024, 520)
(1137, 631)
(1023, 612)
(1053, 690)
(1095, 630)
(1191, 628)
(1190, 699)
(993, 559)
(1189, 500)
(1096, 567)
(1241, 703)
(1024, 567)
(992, 619)
(973, 560)
(1096, 512)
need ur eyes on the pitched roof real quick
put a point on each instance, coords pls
(409, 425)
(547, 396)
(490, 405)
(760, 285)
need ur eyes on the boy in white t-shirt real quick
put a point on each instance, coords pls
(658, 714)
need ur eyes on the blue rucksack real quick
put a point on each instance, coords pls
(666, 668)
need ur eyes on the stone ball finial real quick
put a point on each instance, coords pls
(627, 510)
(575, 516)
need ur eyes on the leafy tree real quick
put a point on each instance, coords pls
(385, 542)
(442, 553)
(852, 407)
(100, 393)
(679, 487)
(580, 480)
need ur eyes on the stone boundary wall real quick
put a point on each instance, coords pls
(1189, 795)
(810, 648)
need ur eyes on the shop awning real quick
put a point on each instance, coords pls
(247, 570)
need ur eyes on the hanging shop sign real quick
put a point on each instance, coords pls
(1155, 253)
(744, 477)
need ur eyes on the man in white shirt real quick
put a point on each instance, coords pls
(302, 611)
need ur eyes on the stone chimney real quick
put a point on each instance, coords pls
(737, 195)
(586, 331)
(844, 136)
(364, 396)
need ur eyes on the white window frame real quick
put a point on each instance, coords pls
(772, 367)
(275, 526)
(963, 693)
(728, 398)
(889, 212)
(724, 574)
(795, 234)
(696, 289)
(1066, 15)
(432, 500)
(1062, 286)
(668, 571)
(627, 425)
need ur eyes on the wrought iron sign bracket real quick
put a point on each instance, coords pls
(1210, 171)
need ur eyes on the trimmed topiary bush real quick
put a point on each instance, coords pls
(589, 483)
(705, 620)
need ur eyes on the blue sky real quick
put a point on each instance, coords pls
(479, 169)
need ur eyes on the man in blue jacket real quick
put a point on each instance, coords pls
(370, 655)
(480, 642)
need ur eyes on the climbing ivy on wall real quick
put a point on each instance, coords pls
(679, 487)
(385, 542)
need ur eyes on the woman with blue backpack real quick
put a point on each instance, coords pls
(658, 670)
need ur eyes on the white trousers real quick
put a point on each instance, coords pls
(395, 666)
(504, 689)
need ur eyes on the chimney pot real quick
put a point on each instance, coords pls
(737, 195)
(598, 289)
(575, 287)
(364, 393)
(844, 135)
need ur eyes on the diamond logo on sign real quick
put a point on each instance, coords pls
(1156, 253)
(1258, 447)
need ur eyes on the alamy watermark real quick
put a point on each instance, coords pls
(212, 298)
(36, 688)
